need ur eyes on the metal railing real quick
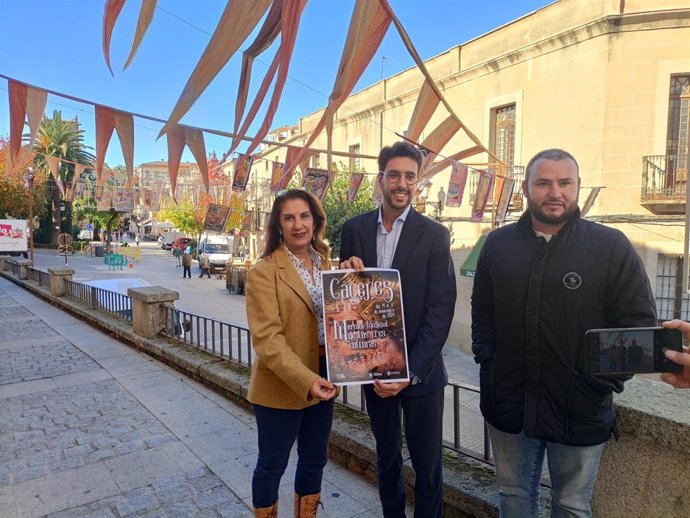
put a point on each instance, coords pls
(39, 276)
(664, 177)
(110, 302)
(14, 267)
(229, 341)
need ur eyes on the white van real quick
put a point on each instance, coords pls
(169, 237)
(218, 248)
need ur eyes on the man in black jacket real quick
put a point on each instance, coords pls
(396, 236)
(540, 284)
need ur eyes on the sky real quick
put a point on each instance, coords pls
(56, 45)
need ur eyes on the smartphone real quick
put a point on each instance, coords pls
(632, 350)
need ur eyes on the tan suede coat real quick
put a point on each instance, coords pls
(284, 334)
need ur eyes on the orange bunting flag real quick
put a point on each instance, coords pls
(78, 170)
(423, 110)
(236, 23)
(35, 106)
(369, 23)
(54, 166)
(148, 7)
(110, 13)
(108, 120)
(18, 92)
(178, 137)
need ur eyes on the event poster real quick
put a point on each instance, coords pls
(243, 167)
(316, 182)
(216, 217)
(365, 328)
(123, 199)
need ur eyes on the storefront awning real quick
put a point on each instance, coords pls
(469, 266)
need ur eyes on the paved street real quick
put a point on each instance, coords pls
(91, 427)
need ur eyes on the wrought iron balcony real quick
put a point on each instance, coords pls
(664, 183)
(517, 172)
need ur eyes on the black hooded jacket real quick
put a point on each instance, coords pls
(532, 303)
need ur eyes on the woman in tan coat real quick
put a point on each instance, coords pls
(291, 397)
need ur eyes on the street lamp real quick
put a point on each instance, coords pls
(29, 184)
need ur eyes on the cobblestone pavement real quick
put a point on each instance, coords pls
(93, 428)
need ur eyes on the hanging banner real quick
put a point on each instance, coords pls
(456, 185)
(277, 177)
(316, 182)
(104, 202)
(243, 167)
(355, 182)
(481, 197)
(247, 220)
(123, 199)
(589, 202)
(504, 199)
(54, 166)
(216, 217)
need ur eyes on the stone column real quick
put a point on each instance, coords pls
(148, 309)
(3, 262)
(23, 264)
(57, 280)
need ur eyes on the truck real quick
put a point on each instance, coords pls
(218, 249)
(14, 237)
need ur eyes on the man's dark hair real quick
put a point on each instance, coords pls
(401, 148)
(550, 154)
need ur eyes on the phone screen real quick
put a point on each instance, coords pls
(632, 350)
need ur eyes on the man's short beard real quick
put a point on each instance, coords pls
(539, 215)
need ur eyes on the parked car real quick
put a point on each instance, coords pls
(181, 243)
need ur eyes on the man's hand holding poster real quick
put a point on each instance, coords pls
(365, 331)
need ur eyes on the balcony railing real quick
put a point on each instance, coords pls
(664, 181)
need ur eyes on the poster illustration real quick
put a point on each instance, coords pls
(277, 177)
(365, 331)
(123, 199)
(316, 182)
(243, 166)
(504, 199)
(216, 217)
(481, 197)
(456, 185)
(355, 182)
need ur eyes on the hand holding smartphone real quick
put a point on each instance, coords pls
(635, 350)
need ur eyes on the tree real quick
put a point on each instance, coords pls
(337, 208)
(63, 139)
(14, 194)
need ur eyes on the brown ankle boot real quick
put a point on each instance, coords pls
(267, 512)
(305, 506)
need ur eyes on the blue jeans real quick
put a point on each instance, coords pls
(519, 461)
(278, 430)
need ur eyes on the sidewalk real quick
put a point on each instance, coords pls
(91, 427)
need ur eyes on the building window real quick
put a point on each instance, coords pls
(355, 162)
(503, 134)
(671, 301)
(316, 161)
(677, 131)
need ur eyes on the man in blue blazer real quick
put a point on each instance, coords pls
(396, 236)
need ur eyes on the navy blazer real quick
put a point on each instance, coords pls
(427, 277)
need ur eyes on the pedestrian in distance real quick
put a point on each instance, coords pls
(288, 390)
(204, 265)
(177, 253)
(397, 236)
(187, 263)
(540, 284)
